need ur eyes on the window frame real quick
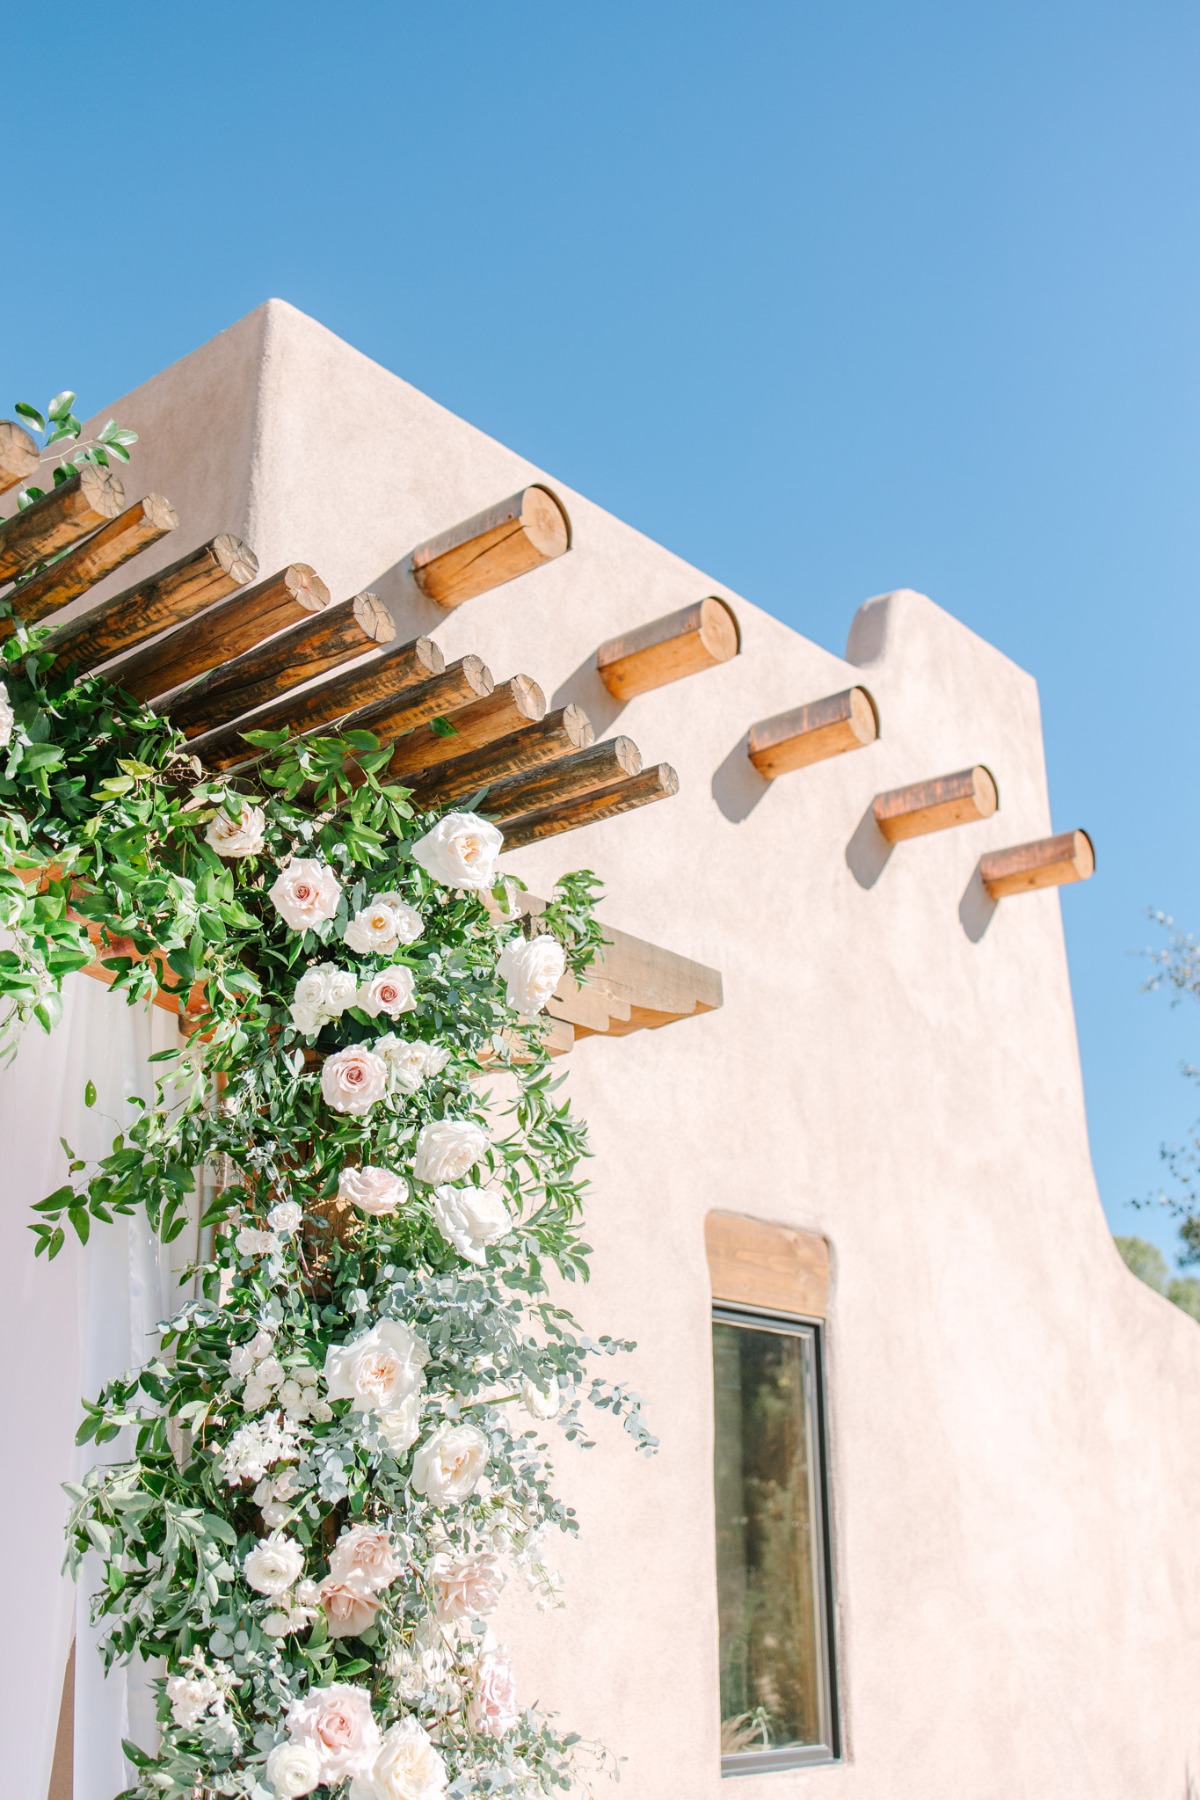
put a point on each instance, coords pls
(828, 1753)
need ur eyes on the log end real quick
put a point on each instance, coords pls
(578, 726)
(18, 454)
(545, 522)
(102, 491)
(720, 633)
(159, 514)
(374, 618)
(306, 588)
(236, 558)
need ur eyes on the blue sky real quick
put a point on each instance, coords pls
(829, 298)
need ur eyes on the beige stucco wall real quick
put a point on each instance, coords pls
(1015, 1452)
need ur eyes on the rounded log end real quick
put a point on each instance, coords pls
(578, 726)
(720, 632)
(18, 452)
(628, 756)
(427, 657)
(668, 780)
(864, 715)
(103, 490)
(987, 794)
(528, 698)
(306, 587)
(374, 618)
(477, 676)
(1083, 855)
(545, 522)
(237, 559)
(158, 512)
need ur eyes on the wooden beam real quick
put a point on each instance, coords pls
(222, 631)
(175, 593)
(959, 799)
(139, 526)
(69, 511)
(658, 783)
(1047, 862)
(519, 534)
(697, 637)
(389, 677)
(508, 707)
(318, 643)
(767, 1266)
(19, 454)
(556, 735)
(810, 734)
(598, 766)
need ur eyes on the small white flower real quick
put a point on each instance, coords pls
(285, 1218)
(532, 969)
(541, 1400)
(373, 1190)
(306, 893)
(322, 993)
(390, 992)
(460, 851)
(255, 1447)
(470, 1218)
(383, 926)
(190, 1697)
(243, 836)
(410, 1061)
(7, 718)
(251, 1242)
(448, 1149)
(274, 1565)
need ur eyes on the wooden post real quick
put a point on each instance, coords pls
(556, 735)
(658, 783)
(598, 766)
(222, 632)
(959, 799)
(519, 534)
(175, 593)
(507, 708)
(685, 642)
(18, 454)
(133, 530)
(310, 648)
(67, 512)
(1047, 862)
(810, 734)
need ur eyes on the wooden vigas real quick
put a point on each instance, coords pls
(510, 706)
(569, 778)
(78, 505)
(133, 530)
(519, 534)
(959, 799)
(812, 733)
(769, 1267)
(1046, 862)
(698, 637)
(657, 783)
(19, 455)
(558, 734)
(175, 593)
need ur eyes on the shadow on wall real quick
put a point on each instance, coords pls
(737, 786)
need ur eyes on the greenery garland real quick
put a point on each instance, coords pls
(338, 1455)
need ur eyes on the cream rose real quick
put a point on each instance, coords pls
(292, 1770)
(367, 1552)
(410, 1061)
(243, 836)
(336, 1723)
(408, 1767)
(383, 926)
(493, 1709)
(306, 893)
(372, 1190)
(460, 851)
(470, 1218)
(541, 1400)
(532, 969)
(274, 1565)
(285, 1217)
(353, 1080)
(390, 992)
(322, 993)
(7, 718)
(449, 1463)
(349, 1605)
(467, 1587)
(447, 1149)
(401, 1427)
(379, 1368)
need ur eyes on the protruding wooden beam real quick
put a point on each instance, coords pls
(18, 454)
(519, 534)
(683, 643)
(175, 593)
(598, 766)
(318, 643)
(222, 632)
(658, 783)
(1047, 862)
(508, 707)
(139, 526)
(67, 512)
(959, 799)
(557, 735)
(810, 734)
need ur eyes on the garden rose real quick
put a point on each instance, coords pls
(467, 1587)
(406, 1768)
(336, 1723)
(532, 968)
(447, 1149)
(390, 992)
(372, 1190)
(292, 1770)
(7, 718)
(541, 1400)
(353, 1080)
(410, 1060)
(493, 1709)
(383, 926)
(274, 1565)
(285, 1218)
(460, 851)
(470, 1218)
(243, 836)
(449, 1463)
(349, 1605)
(322, 993)
(306, 893)
(401, 1427)
(368, 1552)
(379, 1368)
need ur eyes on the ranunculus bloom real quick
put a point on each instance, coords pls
(353, 1080)
(377, 1369)
(401, 1426)
(390, 992)
(7, 718)
(470, 1218)
(293, 1769)
(449, 1463)
(368, 1552)
(408, 1767)
(532, 968)
(468, 1587)
(541, 1400)
(337, 1723)
(349, 1605)
(322, 993)
(306, 893)
(460, 851)
(383, 926)
(493, 1708)
(447, 1149)
(274, 1565)
(242, 836)
(372, 1190)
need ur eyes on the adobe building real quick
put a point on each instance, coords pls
(842, 1199)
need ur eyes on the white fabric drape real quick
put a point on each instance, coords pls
(67, 1327)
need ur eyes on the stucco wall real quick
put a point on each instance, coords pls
(1015, 1453)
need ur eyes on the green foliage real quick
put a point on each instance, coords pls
(1145, 1260)
(58, 426)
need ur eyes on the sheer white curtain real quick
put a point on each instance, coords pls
(66, 1327)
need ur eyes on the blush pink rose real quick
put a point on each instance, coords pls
(306, 893)
(338, 1724)
(467, 1587)
(493, 1710)
(353, 1080)
(348, 1604)
(373, 1190)
(366, 1553)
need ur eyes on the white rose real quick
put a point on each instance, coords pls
(390, 992)
(243, 836)
(470, 1218)
(322, 992)
(377, 1369)
(532, 969)
(447, 1149)
(406, 1768)
(460, 851)
(367, 1552)
(401, 1427)
(383, 926)
(467, 1587)
(337, 1723)
(349, 1605)
(292, 1769)
(372, 1190)
(541, 1400)
(285, 1218)
(274, 1565)
(251, 1242)
(7, 718)
(353, 1080)
(410, 1060)
(449, 1463)
(306, 893)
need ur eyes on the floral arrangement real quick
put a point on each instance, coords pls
(338, 1456)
